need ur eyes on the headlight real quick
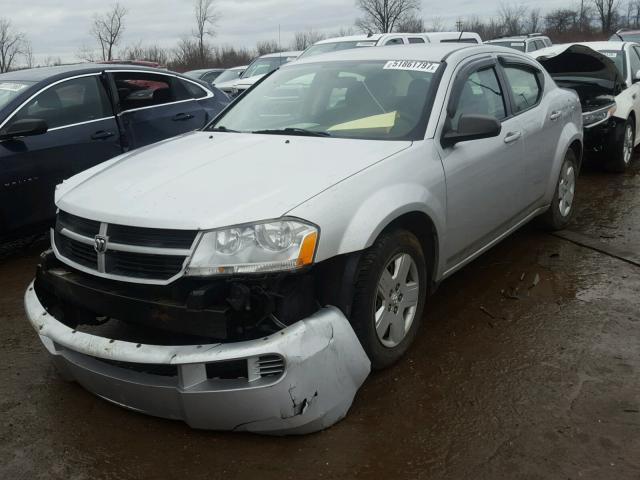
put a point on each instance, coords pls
(277, 245)
(591, 119)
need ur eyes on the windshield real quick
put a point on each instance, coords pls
(511, 44)
(335, 46)
(618, 58)
(228, 75)
(262, 66)
(10, 90)
(194, 73)
(378, 100)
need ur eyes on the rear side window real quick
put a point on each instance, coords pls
(481, 95)
(416, 40)
(394, 41)
(194, 90)
(74, 101)
(143, 89)
(525, 87)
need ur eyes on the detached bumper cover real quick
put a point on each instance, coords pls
(299, 380)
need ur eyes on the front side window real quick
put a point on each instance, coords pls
(634, 62)
(481, 95)
(142, 89)
(394, 41)
(73, 101)
(525, 87)
(379, 100)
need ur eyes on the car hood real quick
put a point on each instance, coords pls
(206, 180)
(583, 62)
(247, 82)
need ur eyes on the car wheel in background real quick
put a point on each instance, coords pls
(561, 209)
(621, 148)
(390, 293)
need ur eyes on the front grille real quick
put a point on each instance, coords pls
(151, 237)
(138, 265)
(80, 253)
(154, 260)
(162, 370)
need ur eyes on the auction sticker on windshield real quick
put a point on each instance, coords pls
(415, 65)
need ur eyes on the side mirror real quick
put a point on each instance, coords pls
(24, 128)
(636, 77)
(472, 127)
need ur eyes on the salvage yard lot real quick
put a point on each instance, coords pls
(527, 367)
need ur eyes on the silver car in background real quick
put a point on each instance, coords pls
(269, 261)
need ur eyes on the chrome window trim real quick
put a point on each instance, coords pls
(80, 123)
(15, 111)
(209, 93)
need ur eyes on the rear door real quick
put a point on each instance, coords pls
(539, 118)
(82, 132)
(484, 177)
(154, 106)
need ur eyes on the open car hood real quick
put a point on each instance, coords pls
(580, 61)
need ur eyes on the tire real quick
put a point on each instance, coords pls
(389, 296)
(621, 147)
(561, 210)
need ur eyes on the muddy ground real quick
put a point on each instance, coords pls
(544, 386)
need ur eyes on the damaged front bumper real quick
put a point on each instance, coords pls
(298, 380)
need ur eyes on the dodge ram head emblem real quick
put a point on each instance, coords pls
(100, 245)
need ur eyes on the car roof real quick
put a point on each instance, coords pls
(44, 73)
(241, 67)
(282, 54)
(604, 45)
(353, 38)
(434, 52)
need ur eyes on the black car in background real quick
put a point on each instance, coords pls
(58, 121)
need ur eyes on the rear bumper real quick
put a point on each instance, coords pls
(299, 380)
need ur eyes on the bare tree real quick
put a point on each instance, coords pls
(27, 52)
(267, 46)
(607, 11)
(303, 40)
(381, 16)
(534, 22)
(108, 28)
(512, 18)
(437, 25)
(205, 21)
(152, 53)
(410, 24)
(12, 44)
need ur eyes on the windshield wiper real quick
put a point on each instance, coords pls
(223, 129)
(293, 131)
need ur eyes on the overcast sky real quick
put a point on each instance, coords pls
(59, 28)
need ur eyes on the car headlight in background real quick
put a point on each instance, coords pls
(591, 119)
(271, 246)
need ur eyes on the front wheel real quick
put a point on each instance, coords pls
(390, 294)
(621, 148)
(561, 209)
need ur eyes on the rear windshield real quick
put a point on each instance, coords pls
(336, 46)
(10, 90)
(520, 46)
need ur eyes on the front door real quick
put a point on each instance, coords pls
(82, 132)
(484, 177)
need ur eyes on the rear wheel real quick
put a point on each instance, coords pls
(389, 298)
(621, 148)
(561, 209)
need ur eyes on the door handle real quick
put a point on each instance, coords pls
(102, 135)
(512, 137)
(181, 117)
(555, 115)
